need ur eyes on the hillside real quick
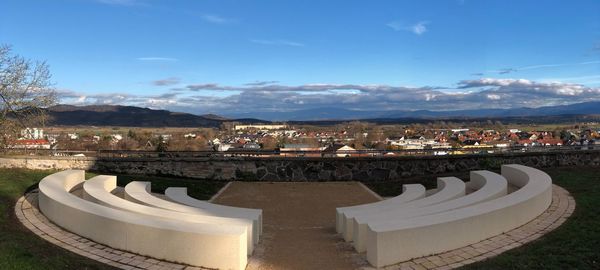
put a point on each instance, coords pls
(111, 115)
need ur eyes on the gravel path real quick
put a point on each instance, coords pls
(299, 223)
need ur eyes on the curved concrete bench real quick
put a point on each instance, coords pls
(139, 192)
(424, 235)
(410, 192)
(449, 188)
(487, 186)
(179, 195)
(99, 190)
(205, 245)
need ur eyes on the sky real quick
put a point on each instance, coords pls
(232, 57)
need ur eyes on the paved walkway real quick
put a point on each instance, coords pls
(299, 222)
(306, 241)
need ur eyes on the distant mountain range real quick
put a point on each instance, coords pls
(320, 114)
(114, 115)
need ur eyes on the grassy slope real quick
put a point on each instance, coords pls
(575, 244)
(20, 249)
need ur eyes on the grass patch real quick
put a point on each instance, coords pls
(394, 188)
(21, 249)
(199, 189)
(574, 245)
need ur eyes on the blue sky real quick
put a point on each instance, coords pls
(232, 57)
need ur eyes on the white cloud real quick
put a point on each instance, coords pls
(120, 2)
(167, 81)
(588, 79)
(542, 66)
(260, 83)
(158, 59)
(216, 19)
(493, 96)
(396, 26)
(281, 42)
(418, 28)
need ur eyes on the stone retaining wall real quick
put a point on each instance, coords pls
(306, 169)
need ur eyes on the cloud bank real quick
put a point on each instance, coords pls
(269, 96)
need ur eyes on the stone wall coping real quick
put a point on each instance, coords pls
(276, 158)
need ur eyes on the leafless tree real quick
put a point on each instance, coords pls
(25, 92)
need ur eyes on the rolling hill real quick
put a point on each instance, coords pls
(114, 115)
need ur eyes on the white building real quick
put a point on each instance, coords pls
(116, 137)
(415, 143)
(190, 136)
(32, 133)
(223, 147)
(259, 127)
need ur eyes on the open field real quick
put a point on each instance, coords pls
(571, 246)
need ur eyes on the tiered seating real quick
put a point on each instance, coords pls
(343, 214)
(179, 195)
(139, 192)
(448, 189)
(420, 231)
(487, 186)
(98, 189)
(221, 245)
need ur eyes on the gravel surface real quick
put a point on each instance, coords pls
(299, 223)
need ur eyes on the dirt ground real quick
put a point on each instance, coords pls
(299, 223)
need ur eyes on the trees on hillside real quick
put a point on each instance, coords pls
(25, 91)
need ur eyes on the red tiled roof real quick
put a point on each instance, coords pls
(32, 142)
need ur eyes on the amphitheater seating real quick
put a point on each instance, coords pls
(448, 189)
(403, 239)
(98, 189)
(179, 195)
(140, 192)
(487, 186)
(199, 244)
(410, 192)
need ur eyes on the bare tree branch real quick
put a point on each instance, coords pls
(25, 92)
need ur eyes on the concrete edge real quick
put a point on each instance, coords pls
(370, 191)
(220, 192)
